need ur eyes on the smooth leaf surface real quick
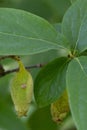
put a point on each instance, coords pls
(42, 120)
(74, 25)
(58, 27)
(72, 1)
(50, 82)
(82, 39)
(8, 119)
(23, 33)
(77, 89)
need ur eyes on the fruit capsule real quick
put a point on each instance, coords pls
(22, 90)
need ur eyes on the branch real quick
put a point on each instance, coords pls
(15, 70)
(17, 58)
(9, 56)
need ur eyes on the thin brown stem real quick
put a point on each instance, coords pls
(15, 70)
(10, 56)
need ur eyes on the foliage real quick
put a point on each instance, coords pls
(63, 45)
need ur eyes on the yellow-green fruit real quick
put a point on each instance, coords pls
(60, 108)
(22, 90)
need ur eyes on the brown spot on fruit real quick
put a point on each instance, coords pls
(23, 86)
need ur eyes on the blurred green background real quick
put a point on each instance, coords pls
(37, 119)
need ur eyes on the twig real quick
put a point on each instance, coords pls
(15, 70)
(9, 56)
(3, 72)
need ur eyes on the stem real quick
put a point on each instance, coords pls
(15, 70)
(17, 58)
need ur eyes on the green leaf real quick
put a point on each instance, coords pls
(74, 25)
(58, 27)
(22, 33)
(50, 82)
(82, 39)
(72, 1)
(77, 89)
(40, 120)
(8, 119)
